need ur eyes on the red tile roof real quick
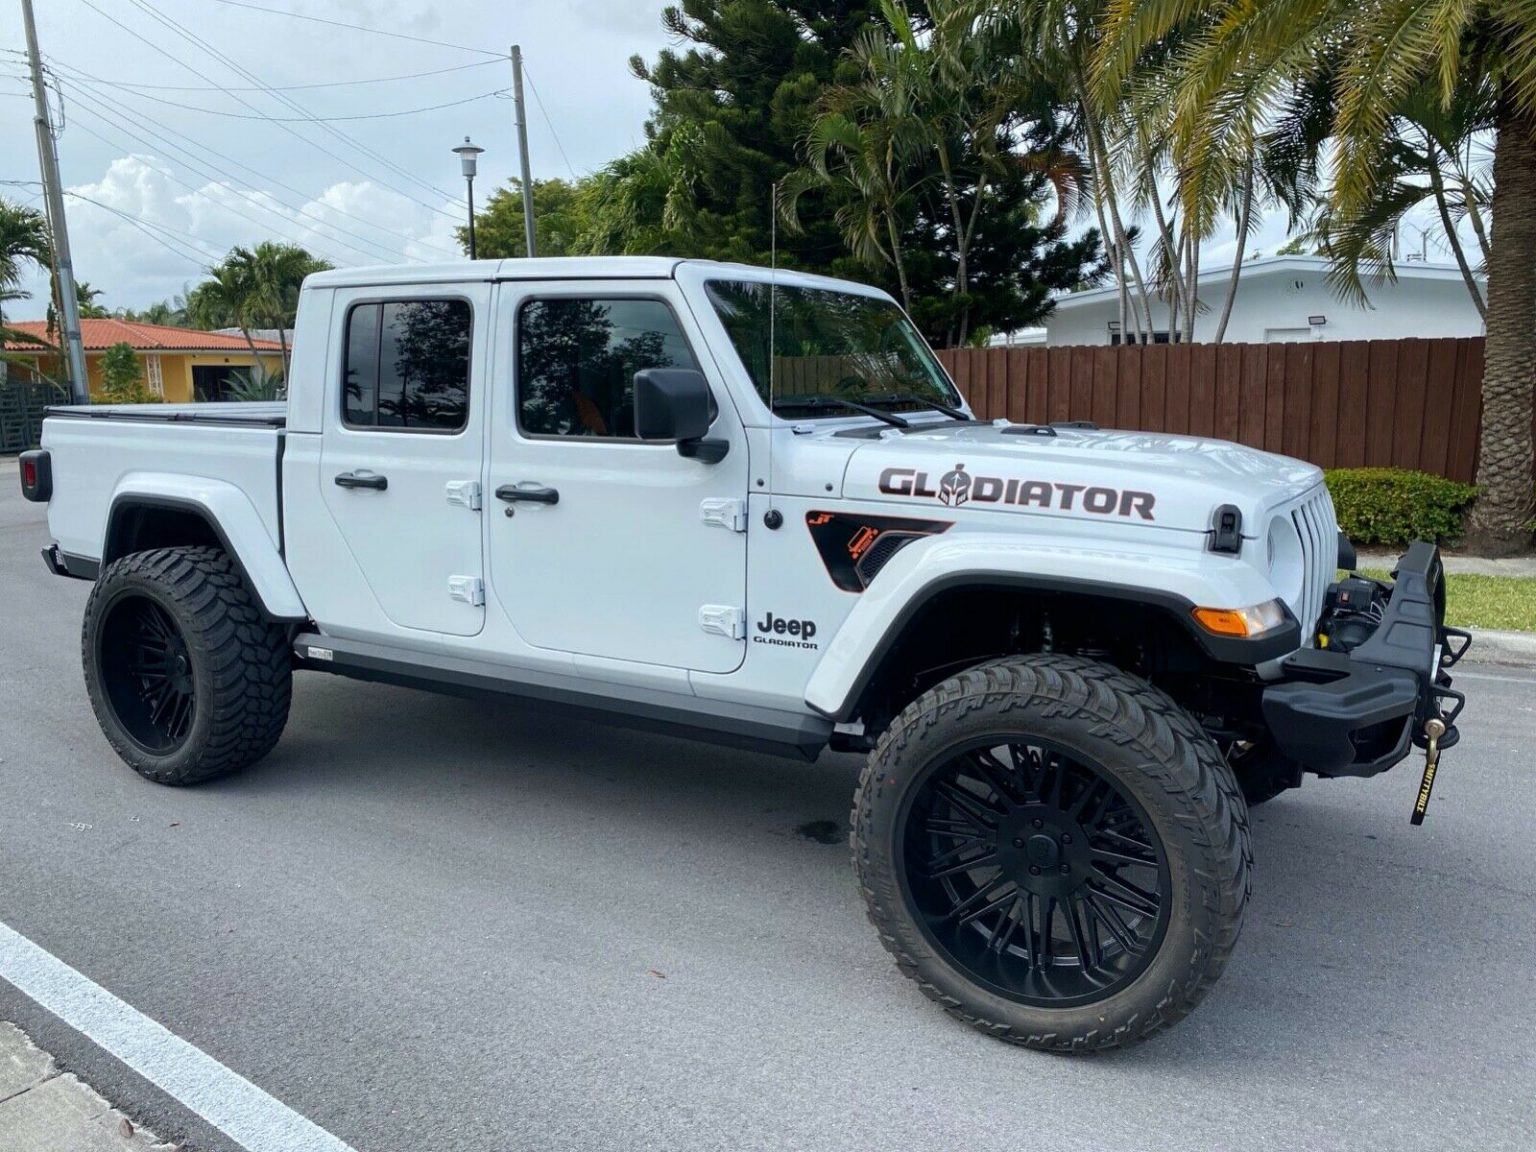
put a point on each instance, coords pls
(99, 335)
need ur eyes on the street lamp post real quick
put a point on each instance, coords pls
(468, 153)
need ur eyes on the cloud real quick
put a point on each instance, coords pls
(143, 233)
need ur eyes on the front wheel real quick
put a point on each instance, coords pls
(1055, 851)
(187, 678)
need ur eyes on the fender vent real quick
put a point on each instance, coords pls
(855, 547)
(880, 553)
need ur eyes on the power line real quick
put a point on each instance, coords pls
(265, 226)
(132, 85)
(174, 248)
(197, 41)
(285, 127)
(555, 135)
(210, 251)
(360, 28)
(352, 142)
(199, 167)
(316, 119)
(87, 89)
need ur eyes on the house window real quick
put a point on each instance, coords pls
(1160, 337)
(407, 366)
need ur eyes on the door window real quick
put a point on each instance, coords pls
(407, 366)
(577, 358)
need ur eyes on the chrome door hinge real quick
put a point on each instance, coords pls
(724, 513)
(468, 589)
(465, 493)
(723, 620)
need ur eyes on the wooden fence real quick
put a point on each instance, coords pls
(1403, 403)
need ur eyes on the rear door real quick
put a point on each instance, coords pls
(640, 553)
(402, 455)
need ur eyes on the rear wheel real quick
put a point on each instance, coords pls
(1054, 851)
(187, 678)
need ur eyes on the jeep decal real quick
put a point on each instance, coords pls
(958, 487)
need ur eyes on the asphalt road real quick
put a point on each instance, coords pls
(428, 923)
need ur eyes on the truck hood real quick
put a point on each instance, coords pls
(1143, 478)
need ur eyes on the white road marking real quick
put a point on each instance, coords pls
(225, 1099)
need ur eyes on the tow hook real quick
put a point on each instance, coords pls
(1433, 730)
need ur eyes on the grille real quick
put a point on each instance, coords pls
(1319, 533)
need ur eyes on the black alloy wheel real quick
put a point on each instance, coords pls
(1054, 851)
(1034, 872)
(187, 677)
(146, 671)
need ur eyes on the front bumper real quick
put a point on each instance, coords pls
(1359, 713)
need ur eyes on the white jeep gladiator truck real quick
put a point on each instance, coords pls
(751, 507)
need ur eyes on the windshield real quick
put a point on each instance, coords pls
(830, 348)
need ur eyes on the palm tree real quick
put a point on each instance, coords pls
(274, 273)
(866, 148)
(254, 288)
(223, 300)
(23, 241)
(1240, 63)
(85, 298)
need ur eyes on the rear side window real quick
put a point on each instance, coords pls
(407, 366)
(577, 358)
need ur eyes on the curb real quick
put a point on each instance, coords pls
(43, 1109)
(1507, 648)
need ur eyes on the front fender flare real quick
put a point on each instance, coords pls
(1173, 579)
(233, 519)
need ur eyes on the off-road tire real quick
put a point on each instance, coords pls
(1152, 748)
(240, 667)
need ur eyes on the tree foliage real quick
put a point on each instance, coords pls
(561, 221)
(745, 103)
(254, 288)
(1364, 96)
(122, 378)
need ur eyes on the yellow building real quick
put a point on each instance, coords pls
(180, 364)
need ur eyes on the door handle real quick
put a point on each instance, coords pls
(362, 480)
(511, 493)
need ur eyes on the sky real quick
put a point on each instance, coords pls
(166, 173)
(192, 182)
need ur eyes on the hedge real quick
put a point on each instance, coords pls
(1397, 506)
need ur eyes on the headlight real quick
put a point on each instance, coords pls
(1242, 622)
(1287, 565)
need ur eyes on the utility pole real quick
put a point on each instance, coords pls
(522, 145)
(53, 190)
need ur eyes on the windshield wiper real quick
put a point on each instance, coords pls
(814, 402)
(926, 403)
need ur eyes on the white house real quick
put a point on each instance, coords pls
(1286, 299)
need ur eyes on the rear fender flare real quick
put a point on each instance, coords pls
(230, 515)
(1174, 580)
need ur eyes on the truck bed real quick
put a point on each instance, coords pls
(169, 453)
(266, 415)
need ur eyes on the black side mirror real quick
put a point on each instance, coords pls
(673, 404)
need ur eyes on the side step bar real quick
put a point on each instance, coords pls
(790, 734)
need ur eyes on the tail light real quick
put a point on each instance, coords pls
(36, 476)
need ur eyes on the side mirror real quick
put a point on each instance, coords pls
(673, 404)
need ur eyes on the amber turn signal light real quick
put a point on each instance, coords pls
(1241, 622)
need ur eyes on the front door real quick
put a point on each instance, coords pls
(600, 544)
(402, 456)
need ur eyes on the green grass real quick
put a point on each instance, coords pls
(1507, 603)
